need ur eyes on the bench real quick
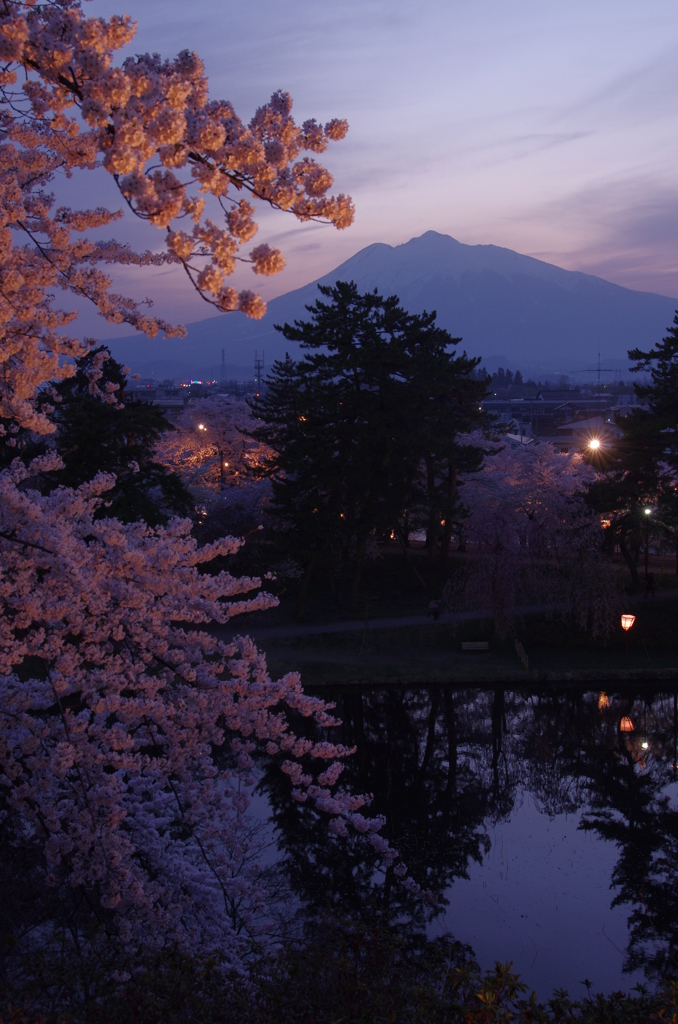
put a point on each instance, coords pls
(475, 645)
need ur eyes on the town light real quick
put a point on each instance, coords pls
(648, 511)
(594, 443)
(626, 725)
(201, 426)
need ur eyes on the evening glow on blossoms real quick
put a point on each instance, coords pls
(127, 732)
(67, 108)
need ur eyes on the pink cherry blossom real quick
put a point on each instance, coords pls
(66, 107)
(138, 724)
(128, 732)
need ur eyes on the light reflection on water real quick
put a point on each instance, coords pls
(549, 837)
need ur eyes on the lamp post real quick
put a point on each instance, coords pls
(626, 622)
(648, 513)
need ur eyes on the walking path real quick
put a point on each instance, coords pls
(355, 625)
(396, 622)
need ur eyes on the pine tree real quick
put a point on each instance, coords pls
(115, 436)
(660, 396)
(374, 408)
(640, 472)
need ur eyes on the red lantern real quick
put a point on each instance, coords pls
(626, 725)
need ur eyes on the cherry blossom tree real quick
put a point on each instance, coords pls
(211, 446)
(128, 732)
(127, 738)
(65, 108)
(532, 539)
(222, 466)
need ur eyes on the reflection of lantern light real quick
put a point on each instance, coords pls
(603, 701)
(626, 725)
(627, 621)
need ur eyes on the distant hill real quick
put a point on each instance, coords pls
(513, 310)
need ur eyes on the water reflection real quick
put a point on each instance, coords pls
(630, 805)
(448, 767)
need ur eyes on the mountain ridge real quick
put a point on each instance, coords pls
(507, 307)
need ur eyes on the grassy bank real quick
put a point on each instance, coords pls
(426, 652)
(432, 652)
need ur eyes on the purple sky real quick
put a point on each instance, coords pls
(549, 128)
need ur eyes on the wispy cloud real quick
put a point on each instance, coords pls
(548, 128)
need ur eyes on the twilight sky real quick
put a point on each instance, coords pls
(549, 128)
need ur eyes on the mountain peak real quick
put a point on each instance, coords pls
(503, 304)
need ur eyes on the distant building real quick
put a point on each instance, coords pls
(580, 433)
(169, 399)
(563, 395)
(543, 416)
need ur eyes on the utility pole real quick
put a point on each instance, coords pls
(258, 371)
(223, 366)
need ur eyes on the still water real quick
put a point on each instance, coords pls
(544, 824)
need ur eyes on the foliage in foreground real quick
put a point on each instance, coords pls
(126, 729)
(352, 976)
(100, 428)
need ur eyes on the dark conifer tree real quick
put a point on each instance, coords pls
(93, 436)
(640, 471)
(660, 396)
(376, 404)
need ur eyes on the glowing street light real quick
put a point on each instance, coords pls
(201, 426)
(626, 622)
(648, 511)
(594, 444)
